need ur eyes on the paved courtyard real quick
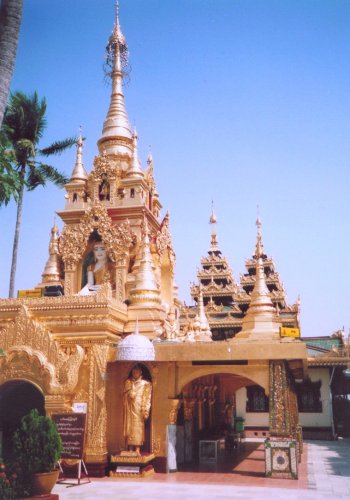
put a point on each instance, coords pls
(324, 473)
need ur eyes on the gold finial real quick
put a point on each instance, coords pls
(259, 247)
(212, 219)
(149, 157)
(214, 239)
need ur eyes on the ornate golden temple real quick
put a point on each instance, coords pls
(109, 300)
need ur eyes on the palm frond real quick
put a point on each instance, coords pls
(9, 186)
(25, 117)
(52, 174)
(34, 178)
(58, 147)
(9, 179)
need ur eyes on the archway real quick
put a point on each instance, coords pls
(210, 425)
(17, 398)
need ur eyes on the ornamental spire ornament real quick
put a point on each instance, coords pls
(79, 172)
(135, 169)
(259, 247)
(116, 134)
(51, 273)
(214, 238)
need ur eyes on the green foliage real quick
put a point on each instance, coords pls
(9, 178)
(23, 127)
(37, 447)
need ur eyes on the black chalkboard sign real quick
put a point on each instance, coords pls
(71, 428)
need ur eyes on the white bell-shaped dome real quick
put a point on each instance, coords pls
(135, 347)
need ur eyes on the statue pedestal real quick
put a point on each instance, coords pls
(129, 464)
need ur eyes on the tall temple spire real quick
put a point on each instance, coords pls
(261, 319)
(116, 134)
(214, 238)
(79, 172)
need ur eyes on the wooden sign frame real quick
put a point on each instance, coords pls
(71, 428)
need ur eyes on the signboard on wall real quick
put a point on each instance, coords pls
(79, 407)
(71, 428)
(289, 332)
(34, 293)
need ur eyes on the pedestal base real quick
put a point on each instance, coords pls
(131, 465)
(281, 458)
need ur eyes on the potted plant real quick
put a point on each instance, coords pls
(37, 448)
(7, 483)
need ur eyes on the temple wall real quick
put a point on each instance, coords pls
(323, 419)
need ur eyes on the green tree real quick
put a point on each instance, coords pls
(9, 178)
(10, 21)
(22, 128)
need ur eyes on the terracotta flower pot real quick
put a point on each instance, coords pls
(43, 482)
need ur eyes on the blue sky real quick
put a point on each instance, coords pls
(244, 102)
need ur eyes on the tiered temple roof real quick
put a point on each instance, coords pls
(226, 302)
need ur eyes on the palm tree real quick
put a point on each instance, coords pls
(10, 21)
(22, 128)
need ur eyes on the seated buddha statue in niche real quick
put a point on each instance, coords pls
(99, 270)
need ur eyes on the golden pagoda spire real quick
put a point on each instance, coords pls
(116, 134)
(135, 169)
(214, 239)
(51, 273)
(146, 288)
(261, 318)
(79, 172)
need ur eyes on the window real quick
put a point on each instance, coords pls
(257, 401)
(132, 193)
(309, 397)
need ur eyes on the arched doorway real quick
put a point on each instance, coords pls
(210, 425)
(17, 398)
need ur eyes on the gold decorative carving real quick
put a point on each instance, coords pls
(164, 241)
(29, 347)
(189, 405)
(128, 458)
(174, 405)
(105, 164)
(97, 415)
(282, 411)
(156, 445)
(73, 240)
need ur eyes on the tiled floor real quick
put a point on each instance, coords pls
(323, 474)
